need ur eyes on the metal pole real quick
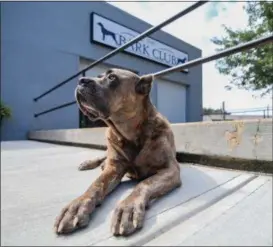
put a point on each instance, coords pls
(55, 108)
(224, 110)
(82, 117)
(227, 52)
(193, 63)
(126, 45)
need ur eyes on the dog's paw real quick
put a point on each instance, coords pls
(88, 165)
(74, 216)
(92, 164)
(128, 217)
(84, 165)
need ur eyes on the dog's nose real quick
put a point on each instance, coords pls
(84, 81)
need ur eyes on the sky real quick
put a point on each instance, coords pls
(197, 28)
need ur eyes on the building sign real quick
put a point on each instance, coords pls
(110, 33)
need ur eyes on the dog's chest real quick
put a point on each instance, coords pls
(144, 162)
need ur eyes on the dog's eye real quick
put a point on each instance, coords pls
(112, 77)
(113, 81)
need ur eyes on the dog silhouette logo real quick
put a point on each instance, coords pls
(105, 32)
(179, 60)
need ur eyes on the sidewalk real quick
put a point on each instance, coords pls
(214, 206)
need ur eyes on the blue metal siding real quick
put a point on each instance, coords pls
(41, 44)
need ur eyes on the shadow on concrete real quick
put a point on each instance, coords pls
(196, 181)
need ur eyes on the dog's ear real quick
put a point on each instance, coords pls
(144, 84)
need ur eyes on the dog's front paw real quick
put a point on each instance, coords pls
(128, 217)
(74, 216)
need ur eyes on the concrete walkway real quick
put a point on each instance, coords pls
(214, 206)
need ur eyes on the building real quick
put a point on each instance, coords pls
(44, 43)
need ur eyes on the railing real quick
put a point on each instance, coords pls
(126, 45)
(227, 52)
(249, 113)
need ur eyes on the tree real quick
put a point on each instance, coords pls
(252, 69)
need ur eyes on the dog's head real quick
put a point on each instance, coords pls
(114, 92)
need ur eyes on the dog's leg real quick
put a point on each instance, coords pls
(76, 214)
(91, 164)
(129, 214)
(114, 38)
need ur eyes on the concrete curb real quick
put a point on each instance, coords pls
(245, 145)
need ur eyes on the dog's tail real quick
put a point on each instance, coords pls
(91, 164)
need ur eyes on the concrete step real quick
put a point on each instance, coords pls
(243, 145)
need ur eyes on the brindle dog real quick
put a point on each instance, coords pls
(140, 144)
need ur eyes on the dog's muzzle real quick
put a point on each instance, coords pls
(87, 109)
(85, 82)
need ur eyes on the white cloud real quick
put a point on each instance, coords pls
(197, 29)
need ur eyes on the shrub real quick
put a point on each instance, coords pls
(5, 111)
